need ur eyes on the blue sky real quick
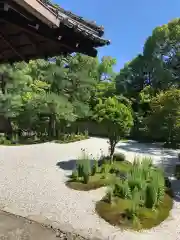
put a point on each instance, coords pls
(127, 22)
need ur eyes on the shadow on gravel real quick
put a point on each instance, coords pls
(148, 148)
(138, 148)
(168, 163)
(67, 165)
(176, 190)
(70, 165)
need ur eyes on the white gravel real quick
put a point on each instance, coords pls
(32, 185)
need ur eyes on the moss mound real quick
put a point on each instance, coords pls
(116, 213)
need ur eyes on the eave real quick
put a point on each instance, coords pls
(26, 33)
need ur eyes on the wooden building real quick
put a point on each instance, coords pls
(32, 29)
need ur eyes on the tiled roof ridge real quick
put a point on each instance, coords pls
(87, 28)
(91, 24)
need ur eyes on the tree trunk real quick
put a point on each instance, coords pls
(9, 130)
(111, 148)
(52, 126)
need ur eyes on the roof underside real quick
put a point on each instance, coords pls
(26, 33)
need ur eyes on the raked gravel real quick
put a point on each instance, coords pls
(32, 186)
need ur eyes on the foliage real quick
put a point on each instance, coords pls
(67, 138)
(95, 168)
(116, 118)
(4, 141)
(119, 156)
(33, 139)
(139, 200)
(83, 168)
(143, 184)
(119, 213)
(164, 119)
(109, 195)
(92, 173)
(47, 97)
(155, 70)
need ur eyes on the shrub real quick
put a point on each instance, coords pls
(147, 162)
(109, 195)
(103, 168)
(74, 175)
(143, 184)
(67, 138)
(136, 197)
(155, 191)
(80, 169)
(122, 190)
(163, 120)
(150, 196)
(83, 168)
(4, 141)
(119, 157)
(85, 177)
(95, 168)
(116, 119)
(86, 134)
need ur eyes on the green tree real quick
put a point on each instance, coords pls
(132, 78)
(158, 66)
(162, 49)
(14, 83)
(163, 122)
(105, 68)
(116, 119)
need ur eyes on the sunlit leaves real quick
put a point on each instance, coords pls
(164, 118)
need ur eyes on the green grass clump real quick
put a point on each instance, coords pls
(89, 174)
(123, 166)
(138, 201)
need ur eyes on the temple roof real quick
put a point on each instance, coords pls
(88, 28)
(37, 28)
(62, 13)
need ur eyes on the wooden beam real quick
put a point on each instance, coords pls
(36, 45)
(30, 57)
(17, 48)
(7, 41)
(48, 34)
(44, 31)
(41, 11)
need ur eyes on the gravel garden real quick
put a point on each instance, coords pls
(62, 184)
